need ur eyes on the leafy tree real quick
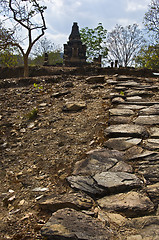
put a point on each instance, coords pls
(7, 58)
(94, 39)
(151, 19)
(55, 57)
(148, 57)
(124, 43)
(23, 26)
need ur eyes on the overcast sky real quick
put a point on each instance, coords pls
(61, 14)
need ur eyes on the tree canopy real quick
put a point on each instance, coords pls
(94, 39)
(21, 17)
(151, 19)
(148, 57)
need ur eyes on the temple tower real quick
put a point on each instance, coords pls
(74, 50)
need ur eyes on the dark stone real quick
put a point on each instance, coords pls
(96, 79)
(70, 200)
(92, 166)
(103, 155)
(121, 143)
(117, 181)
(86, 184)
(70, 224)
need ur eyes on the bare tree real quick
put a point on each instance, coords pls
(43, 46)
(22, 20)
(123, 43)
(151, 19)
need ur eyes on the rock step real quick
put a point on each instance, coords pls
(131, 204)
(147, 120)
(126, 130)
(121, 178)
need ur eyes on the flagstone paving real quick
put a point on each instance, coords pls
(123, 176)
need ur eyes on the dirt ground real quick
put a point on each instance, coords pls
(39, 144)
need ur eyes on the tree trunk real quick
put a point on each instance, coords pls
(26, 67)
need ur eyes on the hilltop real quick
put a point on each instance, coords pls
(56, 134)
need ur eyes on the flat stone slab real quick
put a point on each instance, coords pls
(117, 181)
(70, 200)
(126, 130)
(102, 154)
(153, 192)
(134, 99)
(121, 143)
(125, 78)
(154, 132)
(148, 166)
(147, 120)
(138, 93)
(96, 79)
(112, 82)
(101, 160)
(150, 171)
(131, 204)
(147, 226)
(142, 155)
(104, 183)
(152, 110)
(120, 88)
(116, 218)
(152, 144)
(74, 106)
(91, 166)
(120, 112)
(114, 95)
(60, 94)
(131, 106)
(122, 167)
(120, 120)
(118, 100)
(142, 103)
(129, 84)
(86, 184)
(70, 224)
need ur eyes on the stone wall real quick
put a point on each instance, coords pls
(88, 70)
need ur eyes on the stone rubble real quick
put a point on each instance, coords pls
(113, 189)
(120, 180)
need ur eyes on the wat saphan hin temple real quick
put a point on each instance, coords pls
(74, 50)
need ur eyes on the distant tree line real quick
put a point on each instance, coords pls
(129, 45)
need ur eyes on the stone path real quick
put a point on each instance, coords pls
(118, 184)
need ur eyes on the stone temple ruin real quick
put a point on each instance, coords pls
(74, 50)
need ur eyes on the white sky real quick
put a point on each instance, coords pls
(61, 14)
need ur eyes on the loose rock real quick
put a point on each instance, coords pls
(71, 224)
(130, 204)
